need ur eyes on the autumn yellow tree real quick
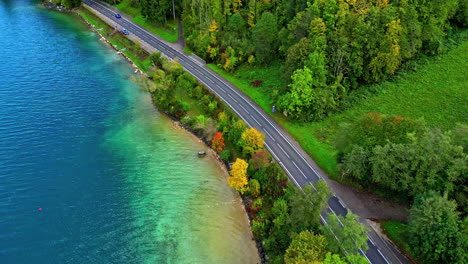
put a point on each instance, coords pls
(213, 31)
(238, 179)
(251, 141)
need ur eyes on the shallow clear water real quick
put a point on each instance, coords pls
(117, 182)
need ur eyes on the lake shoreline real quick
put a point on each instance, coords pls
(223, 165)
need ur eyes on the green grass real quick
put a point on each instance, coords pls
(127, 8)
(168, 32)
(95, 21)
(188, 51)
(397, 231)
(117, 40)
(437, 92)
(322, 153)
(246, 74)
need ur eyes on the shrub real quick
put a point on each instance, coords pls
(226, 155)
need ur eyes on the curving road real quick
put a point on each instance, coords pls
(294, 160)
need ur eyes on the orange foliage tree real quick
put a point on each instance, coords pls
(218, 142)
(238, 179)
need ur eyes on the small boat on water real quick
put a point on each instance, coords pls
(201, 154)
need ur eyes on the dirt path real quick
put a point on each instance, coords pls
(368, 205)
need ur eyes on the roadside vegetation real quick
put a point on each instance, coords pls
(374, 91)
(132, 50)
(283, 217)
(165, 28)
(398, 233)
(69, 4)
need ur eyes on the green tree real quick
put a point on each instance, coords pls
(201, 121)
(156, 10)
(333, 259)
(71, 3)
(345, 234)
(254, 188)
(265, 35)
(389, 56)
(462, 13)
(236, 130)
(375, 129)
(434, 233)
(226, 155)
(223, 122)
(273, 181)
(352, 259)
(156, 59)
(163, 89)
(236, 24)
(299, 100)
(459, 136)
(357, 164)
(185, 82)
(431, 162)
(306, 248)
(296, 56)
(434, 16)
(306, 205)
(278, 239)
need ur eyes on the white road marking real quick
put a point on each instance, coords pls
(305, 177)
(242, 107)
(313, 186)
(255, 120)
(266, 131)
(364, 254)
(342, 203)
(337, 218)
(282, 166)
(283, 150)
(378, 250)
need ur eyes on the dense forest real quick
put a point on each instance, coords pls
(327, 49)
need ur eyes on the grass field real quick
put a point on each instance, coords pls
(168, 32)
(397, 231)
(117, 40)
(437, 92)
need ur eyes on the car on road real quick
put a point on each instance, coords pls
(118, 16)
(124, 31)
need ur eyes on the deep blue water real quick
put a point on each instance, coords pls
(89, 171)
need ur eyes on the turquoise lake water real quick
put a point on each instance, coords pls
(90, 172)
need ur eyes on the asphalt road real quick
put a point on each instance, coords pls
(289, 155)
